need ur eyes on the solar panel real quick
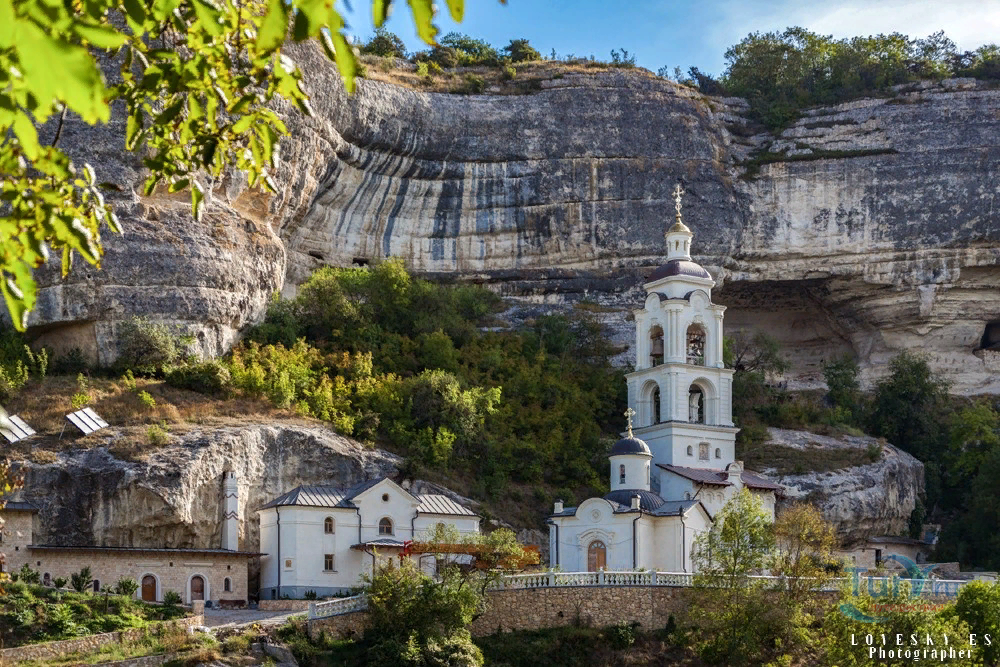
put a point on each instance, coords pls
(15, 429)
(86, 420)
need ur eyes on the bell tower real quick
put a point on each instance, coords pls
(680, 390)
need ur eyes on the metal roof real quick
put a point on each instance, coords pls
(433, 503)
(648, 500)
(19, 506)
(720, 477)
(675, 507)
(329, 496)
(701, 475)
(58, 547)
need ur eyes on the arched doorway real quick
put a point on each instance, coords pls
(597, 556)
(149, 588)
(197, 588)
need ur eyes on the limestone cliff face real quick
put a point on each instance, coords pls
(173, 498)
(873, 228)
(860, 501)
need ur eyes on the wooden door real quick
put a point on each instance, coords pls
(149, 588)
(197, 588)
(597, 556)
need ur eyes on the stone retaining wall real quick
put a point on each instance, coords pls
(284, 605)
(50, 650)
(145, 661)
(533, 608)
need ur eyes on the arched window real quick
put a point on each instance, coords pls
(696, 345)
(703, 451)
(597, 556)
(621, 474)
(647, 474)
(696, 405)
(690, 450)
(329, 526)
(385, 526)
(656, 406)
(227, 585)
(46, 579)
(655, 346)
(718, 453)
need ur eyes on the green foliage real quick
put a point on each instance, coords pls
(197, 80)
(82, 581)
(470, 51)
(59, 582)
(172, 598)
(521, 51)
(18, 362)
(128, 380)
(622, 59)
(27, 575)
(916, 521)
(509, 73)
(841, 377)
(385, 44)
(907, 405)
(898, 613)
(309, 595)
(72, 362)
(473, 85)
(158, 434)
(423, 70)
(978, 606)
(622, 635)
(782, 73)
(147, 400)
(416, 620)
(126, 586)
(401, 360)
(207, 377)
(147, 347)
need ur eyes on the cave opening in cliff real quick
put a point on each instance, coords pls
(991, 336)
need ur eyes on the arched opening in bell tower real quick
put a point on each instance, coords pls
(656, 346)
(656, 405)
(696, 345)
(696, 405)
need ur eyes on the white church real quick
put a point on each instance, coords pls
(676, 469)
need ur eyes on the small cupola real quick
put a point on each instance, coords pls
(678, 236)
(630, 460)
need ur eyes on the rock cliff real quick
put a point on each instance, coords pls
(861, 501)
(869, 227)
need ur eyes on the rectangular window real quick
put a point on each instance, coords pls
(328, 562)
(703, 451)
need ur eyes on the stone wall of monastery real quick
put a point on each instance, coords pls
(173, 571)
(530, 609)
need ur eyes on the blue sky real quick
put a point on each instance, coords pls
(663, 32)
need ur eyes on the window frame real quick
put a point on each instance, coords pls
(392, 526)
(331, 561)
(329, 526)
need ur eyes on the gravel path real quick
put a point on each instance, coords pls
(231, 618)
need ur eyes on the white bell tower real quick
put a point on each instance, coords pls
(230, 512)
(680, 390)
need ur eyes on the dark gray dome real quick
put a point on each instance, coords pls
(648, 500)
(632, 445)
(680, 267)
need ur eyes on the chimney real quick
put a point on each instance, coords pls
(559, 507)
(230, 512)
(635, 501)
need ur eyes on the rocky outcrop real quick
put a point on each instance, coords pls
(173, 498)
(860, 501)
(865, 228)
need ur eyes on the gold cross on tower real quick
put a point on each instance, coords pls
(628, 416)
(678, 193)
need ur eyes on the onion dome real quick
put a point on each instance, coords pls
(680, 267)
(630, 445)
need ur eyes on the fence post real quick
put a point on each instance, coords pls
(552, 579)
(312, 610)
(652, 578)
(600, 577)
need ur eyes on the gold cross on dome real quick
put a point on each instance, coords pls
(628, 416)
(678, 193)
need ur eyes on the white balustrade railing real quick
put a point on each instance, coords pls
(873, 585)
(338, 606)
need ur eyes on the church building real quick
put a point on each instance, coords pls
(676, 468)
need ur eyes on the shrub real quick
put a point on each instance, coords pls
(126, 586)
(423, 70)
(434, 67)
(444, 57)
(147, 400)
(508, 73)
(520, 51)
(71, 363)
(82, 581)
(59, 582)
(385, 44)
(841, 377)
(208, 377)
(27, 575)
(309, 595)
(469, 50)
(622, 59)
(158, 434)
(622, 635)
(171, 598)
(128, 380)
(236, 644)
(146, 347)
(473, 85)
